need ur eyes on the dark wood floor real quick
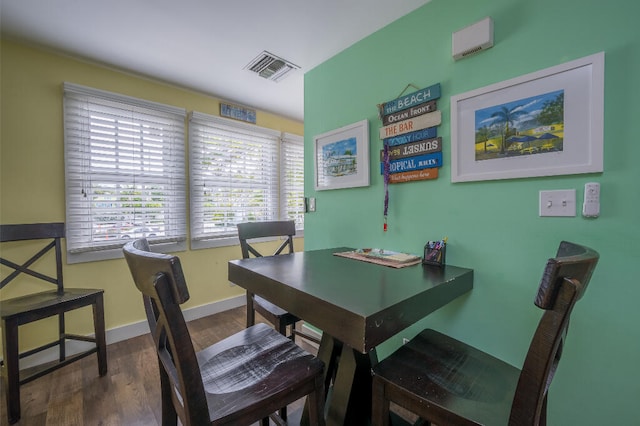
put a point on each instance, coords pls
(128, 394)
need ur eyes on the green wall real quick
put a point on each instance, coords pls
(493, 226)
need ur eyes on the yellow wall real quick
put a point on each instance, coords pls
(32, 175)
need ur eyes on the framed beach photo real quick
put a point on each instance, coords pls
(341, 157)
(546, 123)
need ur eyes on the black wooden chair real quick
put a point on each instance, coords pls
(280, 318)
(239, 380)
(40, 305)
(447, 382)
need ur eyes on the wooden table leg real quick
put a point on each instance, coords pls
(347, 383)
(351, 400)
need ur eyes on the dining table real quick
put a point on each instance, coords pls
(357, 305)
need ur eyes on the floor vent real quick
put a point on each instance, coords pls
(269, 66)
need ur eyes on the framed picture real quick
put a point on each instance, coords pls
(342, 157)
(546, 123)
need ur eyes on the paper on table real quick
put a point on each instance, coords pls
(388, 255)
(378, 260)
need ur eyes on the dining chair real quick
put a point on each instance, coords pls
(248, 233)
(37, 305)
(238, 380)
(447, 382)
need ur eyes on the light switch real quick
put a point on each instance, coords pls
(560, 202)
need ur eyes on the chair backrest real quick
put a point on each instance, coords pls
(563, 283)
(160, 279)
(34, 231)
(252, 230)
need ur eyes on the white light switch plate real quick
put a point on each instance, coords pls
(561, 202)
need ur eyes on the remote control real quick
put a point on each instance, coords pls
(591, 204)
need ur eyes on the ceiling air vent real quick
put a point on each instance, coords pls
(269, 66)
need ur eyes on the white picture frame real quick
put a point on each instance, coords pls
(576, 146)
(341, 157)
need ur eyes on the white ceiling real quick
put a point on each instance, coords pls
(205, 44)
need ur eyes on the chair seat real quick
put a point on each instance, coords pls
(256, 365)
(454, 376)
(47, 303)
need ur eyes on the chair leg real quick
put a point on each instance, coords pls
(169, 414)
(543, 411)
(283, 413)
(315, 402)
(281, 327)
(380, 405)
(251, 313)
(61, 337)
(99, 328)
(11, 374)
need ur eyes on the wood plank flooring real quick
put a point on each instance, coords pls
(130, 392)
(128, 395)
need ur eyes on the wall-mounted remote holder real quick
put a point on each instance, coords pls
(591, 204)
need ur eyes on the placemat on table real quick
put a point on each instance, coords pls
(377, 261)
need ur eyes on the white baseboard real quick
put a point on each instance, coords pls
(129, 331)
(311, 331)
(142, 327)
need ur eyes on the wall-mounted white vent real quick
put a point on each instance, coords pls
(472, 39)
(269, 66)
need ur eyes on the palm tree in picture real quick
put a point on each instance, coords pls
(507, 117)
(482, 135)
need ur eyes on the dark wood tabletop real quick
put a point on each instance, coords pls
(359, 303)
(356, 304)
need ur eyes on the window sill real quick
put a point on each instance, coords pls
(116, 253)
(231, 241)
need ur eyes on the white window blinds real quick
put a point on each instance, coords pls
(125, 170)
(234, 175)
(292, 179)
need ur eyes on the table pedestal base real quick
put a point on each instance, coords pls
(345, 370)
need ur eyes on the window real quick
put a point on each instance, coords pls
(292, 179)
(239, 173)
(125, 173)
